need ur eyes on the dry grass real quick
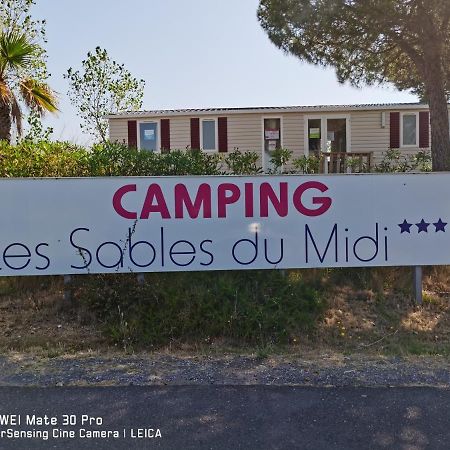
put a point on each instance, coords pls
(384, 318)
(34, 317)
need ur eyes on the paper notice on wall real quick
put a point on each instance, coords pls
(330, 136)
(149, 135)
(272, 145)
(271, 134)
(314, 133)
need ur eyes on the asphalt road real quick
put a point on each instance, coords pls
(234, 417)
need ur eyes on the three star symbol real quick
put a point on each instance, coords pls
(422, 226)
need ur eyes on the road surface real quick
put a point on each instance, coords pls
(229, 417)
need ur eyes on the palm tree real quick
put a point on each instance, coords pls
(16, 57)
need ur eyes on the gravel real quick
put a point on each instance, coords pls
(166, 369)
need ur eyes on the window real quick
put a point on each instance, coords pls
(314, 136)
(148, 136)
(336, 135)
(209, 134)
(409, 130)
(327, 133)
(272, 134)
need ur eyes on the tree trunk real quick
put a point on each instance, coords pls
(440, 133)
(5, 122)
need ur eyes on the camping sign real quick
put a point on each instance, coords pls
(155, 224)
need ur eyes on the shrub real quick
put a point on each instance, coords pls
(307, 164)
(243, 163)
(256, 307)
(62, 159)
(43, 159)
(118, 160)
(279, 158)
(394, 161)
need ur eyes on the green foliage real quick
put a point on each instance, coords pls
(279, 158)
(63, 159)
(394, 161)
(243, 163)
(17, 54)
(356, 165)
(15, 16)
(102, 87)
(256, 307)
(37, 156)
(36, 131)
(307, 164)
(421, 161)
(365, 41)
(117, 160)
(41, 158)
(44, 159)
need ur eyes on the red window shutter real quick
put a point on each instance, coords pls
(222, 124)
(395, 130)
(195, 134)
(424, 129)
(165, 135)
(132, 134)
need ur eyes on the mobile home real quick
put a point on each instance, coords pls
(367, 130)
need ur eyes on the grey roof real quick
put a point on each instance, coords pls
(268, 109)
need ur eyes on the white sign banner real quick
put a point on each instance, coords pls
(97, 225)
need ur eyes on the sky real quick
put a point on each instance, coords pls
(192, 54)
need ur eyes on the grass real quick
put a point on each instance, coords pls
(372, 313)
(406, 344)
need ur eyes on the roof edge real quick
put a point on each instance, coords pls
(268, 110)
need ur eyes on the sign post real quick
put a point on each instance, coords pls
(67, 290)
(418, 296)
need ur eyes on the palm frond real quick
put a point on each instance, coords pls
(16, 51)
(16, 113)
(38, 96)
(8, 98)
(5, 92)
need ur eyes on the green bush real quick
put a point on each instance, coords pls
(255, 307)
(307, 164)
(279, 158)
(394, 161)
(62, 159)
(243, 163)
(43, 159)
